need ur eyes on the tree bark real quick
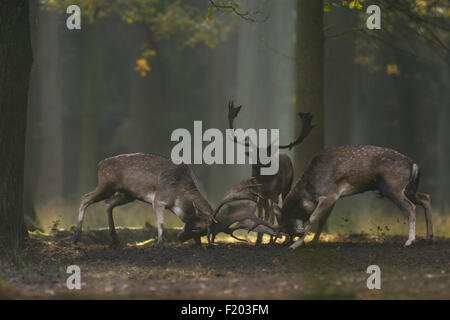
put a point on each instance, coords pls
(443, 185)
(15, 65)
(309, 78)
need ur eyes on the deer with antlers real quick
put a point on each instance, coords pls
(230, 217)
(155, 180)
(268, 188)
(349, 170)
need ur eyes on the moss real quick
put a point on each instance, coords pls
(38, 235)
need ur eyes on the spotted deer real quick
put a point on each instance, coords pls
(349, 170)
(271, 187)
(152, 179)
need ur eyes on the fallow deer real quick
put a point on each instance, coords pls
(152, 179)
(346, 171)
(232, 217)
(271, 187)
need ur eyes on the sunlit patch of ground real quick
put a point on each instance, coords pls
(251, 237)
(333, 269)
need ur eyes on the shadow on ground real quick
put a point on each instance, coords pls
(329, 270)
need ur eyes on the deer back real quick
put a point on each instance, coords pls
(345, 171)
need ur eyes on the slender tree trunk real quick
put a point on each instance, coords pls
(89, 112)
(443, 143)
(309, 78)
(15, 64)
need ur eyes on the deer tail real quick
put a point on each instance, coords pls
(414, 178)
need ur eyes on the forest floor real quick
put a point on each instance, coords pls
(335, 268)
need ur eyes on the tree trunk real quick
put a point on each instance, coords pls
(89, 112)
(309, 78)
(15, 64)
(443, 185)
(32, 142)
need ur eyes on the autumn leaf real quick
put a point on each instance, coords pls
(142, 67)
(392, 69)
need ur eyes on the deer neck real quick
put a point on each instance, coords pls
(200, 203)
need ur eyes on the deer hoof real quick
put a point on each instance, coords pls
(295, 245)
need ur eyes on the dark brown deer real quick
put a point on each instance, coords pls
(271, 187)
(230, 218)
(349, 170)
(152, 179)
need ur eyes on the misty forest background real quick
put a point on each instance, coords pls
(122, 84)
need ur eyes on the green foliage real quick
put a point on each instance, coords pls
(353, 4)
(38, 235)
(181, 21)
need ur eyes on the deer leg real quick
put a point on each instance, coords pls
(260, 215)
(321, 209)
(198, 241)
(402, 201)
(424, 200)
(159, 212)
(322, 223)
(288, 240)
(411, 208)
(119, 198)
(100, 193)
(271, 218)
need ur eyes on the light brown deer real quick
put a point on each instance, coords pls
(346, 171)
(152, 179)
(271, 187)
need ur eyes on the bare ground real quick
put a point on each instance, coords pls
(329, 270)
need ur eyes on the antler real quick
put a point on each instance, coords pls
(244, 190)
(242, 216)
(307, 126)
(305, 117)
(232, 113)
